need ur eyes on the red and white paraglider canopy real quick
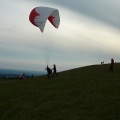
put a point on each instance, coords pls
(39, 16)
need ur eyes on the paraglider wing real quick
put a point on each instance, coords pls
(39, 16)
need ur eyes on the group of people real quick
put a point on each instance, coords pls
(50, 72)
(53, 71)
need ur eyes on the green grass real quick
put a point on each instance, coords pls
(87, 93)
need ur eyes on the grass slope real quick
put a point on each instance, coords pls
(87, 93)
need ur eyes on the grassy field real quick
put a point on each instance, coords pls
(87, 93)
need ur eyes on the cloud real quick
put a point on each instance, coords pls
(6, 29)
(106, 11)
(86, 35)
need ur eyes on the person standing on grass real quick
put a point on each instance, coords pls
(49, 71)
(111, 65)
(54, 70)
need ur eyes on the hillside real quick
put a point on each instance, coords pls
(87, 93)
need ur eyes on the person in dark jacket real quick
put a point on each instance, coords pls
(54, 70)
(49, 71)
(111, 65)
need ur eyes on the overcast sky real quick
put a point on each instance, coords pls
(89, 33)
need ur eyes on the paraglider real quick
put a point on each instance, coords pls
(38, 17)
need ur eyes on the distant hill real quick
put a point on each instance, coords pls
(12, 73)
